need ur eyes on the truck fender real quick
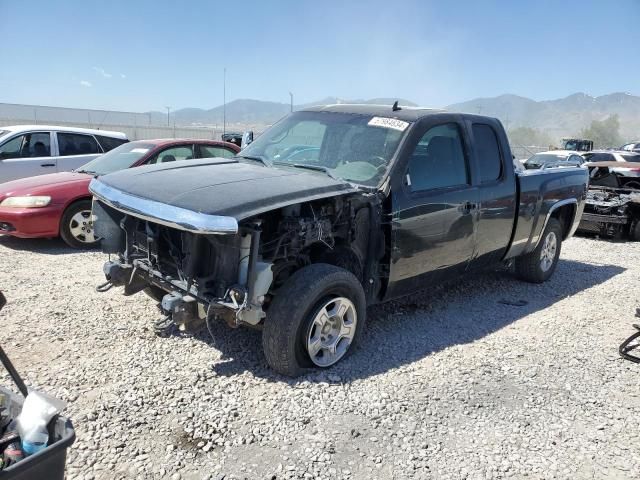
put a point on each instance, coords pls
(570, 228)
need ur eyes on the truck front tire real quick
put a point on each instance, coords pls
(539, 265)
(315, 319)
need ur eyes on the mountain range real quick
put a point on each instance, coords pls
(560, 117)
(253, 112)
(564, 116)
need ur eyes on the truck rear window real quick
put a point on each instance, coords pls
(488, 152)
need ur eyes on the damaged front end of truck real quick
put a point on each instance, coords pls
(201, 267)
(612, 212)
(612, 207)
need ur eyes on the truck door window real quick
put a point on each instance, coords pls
(488, 152)
(438, 160)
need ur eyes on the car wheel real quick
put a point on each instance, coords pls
(76, 225)
(315, 319)
(539, 265)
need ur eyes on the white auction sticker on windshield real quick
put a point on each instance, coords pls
(139, 150)
(389, 123)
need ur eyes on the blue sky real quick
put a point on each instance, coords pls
(143, 55)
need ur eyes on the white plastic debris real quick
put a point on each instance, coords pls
(37, 411)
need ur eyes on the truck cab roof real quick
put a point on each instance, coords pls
(408, 114)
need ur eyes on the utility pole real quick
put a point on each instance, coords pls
(224, 101)
(168, 113)
(291, 95)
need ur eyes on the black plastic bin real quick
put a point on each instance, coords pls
(50, 462)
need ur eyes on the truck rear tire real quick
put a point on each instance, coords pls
(539, 265)
(315, 319)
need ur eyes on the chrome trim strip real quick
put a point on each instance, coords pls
(167, 215)
(555, 206)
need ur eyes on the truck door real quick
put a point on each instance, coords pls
(496, 190)
(433, 209)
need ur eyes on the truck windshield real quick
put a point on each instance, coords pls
(356, 148)
(119, 158)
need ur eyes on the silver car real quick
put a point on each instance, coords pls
(29, 150)
(554, 159)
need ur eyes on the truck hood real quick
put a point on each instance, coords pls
(222, 187)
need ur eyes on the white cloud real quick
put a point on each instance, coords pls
(85, 83)
(101, 71)
(122, 75)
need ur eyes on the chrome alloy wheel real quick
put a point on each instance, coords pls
(332, 331)
(548, 252)
(81, 227)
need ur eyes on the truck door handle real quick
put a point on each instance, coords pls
(47, 164)
(468, 207)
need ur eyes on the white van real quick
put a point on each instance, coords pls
(29, 150)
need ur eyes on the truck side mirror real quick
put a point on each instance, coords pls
(247, 138)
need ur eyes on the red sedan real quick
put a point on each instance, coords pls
(59, 204)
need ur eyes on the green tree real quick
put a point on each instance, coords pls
(604, 133)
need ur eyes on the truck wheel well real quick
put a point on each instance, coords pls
(340, 256)
(565, 216)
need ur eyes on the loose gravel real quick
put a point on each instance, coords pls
(487, 378)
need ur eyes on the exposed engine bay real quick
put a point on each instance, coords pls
(234, 277)
(611, 212)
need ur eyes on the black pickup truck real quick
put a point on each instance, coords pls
(330, 210)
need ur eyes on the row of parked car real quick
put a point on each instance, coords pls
(45, 174)
(612, 207)
(569, 158)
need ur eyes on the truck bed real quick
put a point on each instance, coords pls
(540, 193)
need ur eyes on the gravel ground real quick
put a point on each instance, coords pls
(459, 382)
